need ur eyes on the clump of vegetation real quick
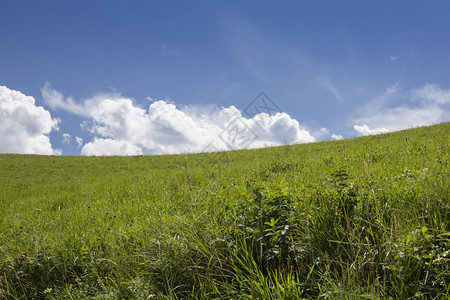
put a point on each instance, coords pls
(358, 218)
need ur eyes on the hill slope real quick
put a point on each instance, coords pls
(364, 217)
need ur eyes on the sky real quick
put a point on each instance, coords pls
(110, 77)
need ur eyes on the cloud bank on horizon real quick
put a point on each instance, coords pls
(119, 127)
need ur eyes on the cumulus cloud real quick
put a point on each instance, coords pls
(321, 134)
(125, 129)
(324, 134)
(365, 130)
(422, 106)
(336, 137)
(101, 146)
(24, 127)
(120, 127)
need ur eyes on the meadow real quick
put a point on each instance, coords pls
(361, 218)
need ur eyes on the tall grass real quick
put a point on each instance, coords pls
(360, 218)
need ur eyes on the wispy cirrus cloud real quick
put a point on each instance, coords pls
(57, 101)
(422, 106)
(328, 85)
(431, 93)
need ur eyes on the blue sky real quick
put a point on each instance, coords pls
(152, 77)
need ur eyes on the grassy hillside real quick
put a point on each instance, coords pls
(358, 218)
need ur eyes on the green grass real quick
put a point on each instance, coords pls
(364, 218)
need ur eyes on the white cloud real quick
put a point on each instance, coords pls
(164, 128)
(279, 129)
(24, 127)
(403, 117)
(324, 134)
(422, 106)
(56, 100)
(100, 146)
(79, 141)
(336, 137)
(321, 134)
(66, 138)
(328, 85)
(365, 130)
(431, 93)
(122, 128)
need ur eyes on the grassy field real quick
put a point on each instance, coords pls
(363, 218)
